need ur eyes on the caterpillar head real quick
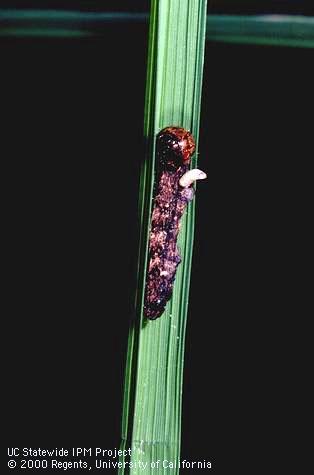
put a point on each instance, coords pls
(175, 146)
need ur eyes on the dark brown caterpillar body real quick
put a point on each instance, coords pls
(173, 192)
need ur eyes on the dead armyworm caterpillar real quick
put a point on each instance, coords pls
(173, 191)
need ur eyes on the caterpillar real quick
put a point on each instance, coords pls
(173, 191)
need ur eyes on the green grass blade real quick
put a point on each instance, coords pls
(272, 30)
(275, 30)
(62, 23)
(153, 386)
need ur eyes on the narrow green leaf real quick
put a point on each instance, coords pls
(272, 30)
(275, 30)
(153, 386)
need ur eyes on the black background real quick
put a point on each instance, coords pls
(301, 7)
(71, 184)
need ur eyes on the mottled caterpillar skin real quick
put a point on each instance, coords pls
(175, 146)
